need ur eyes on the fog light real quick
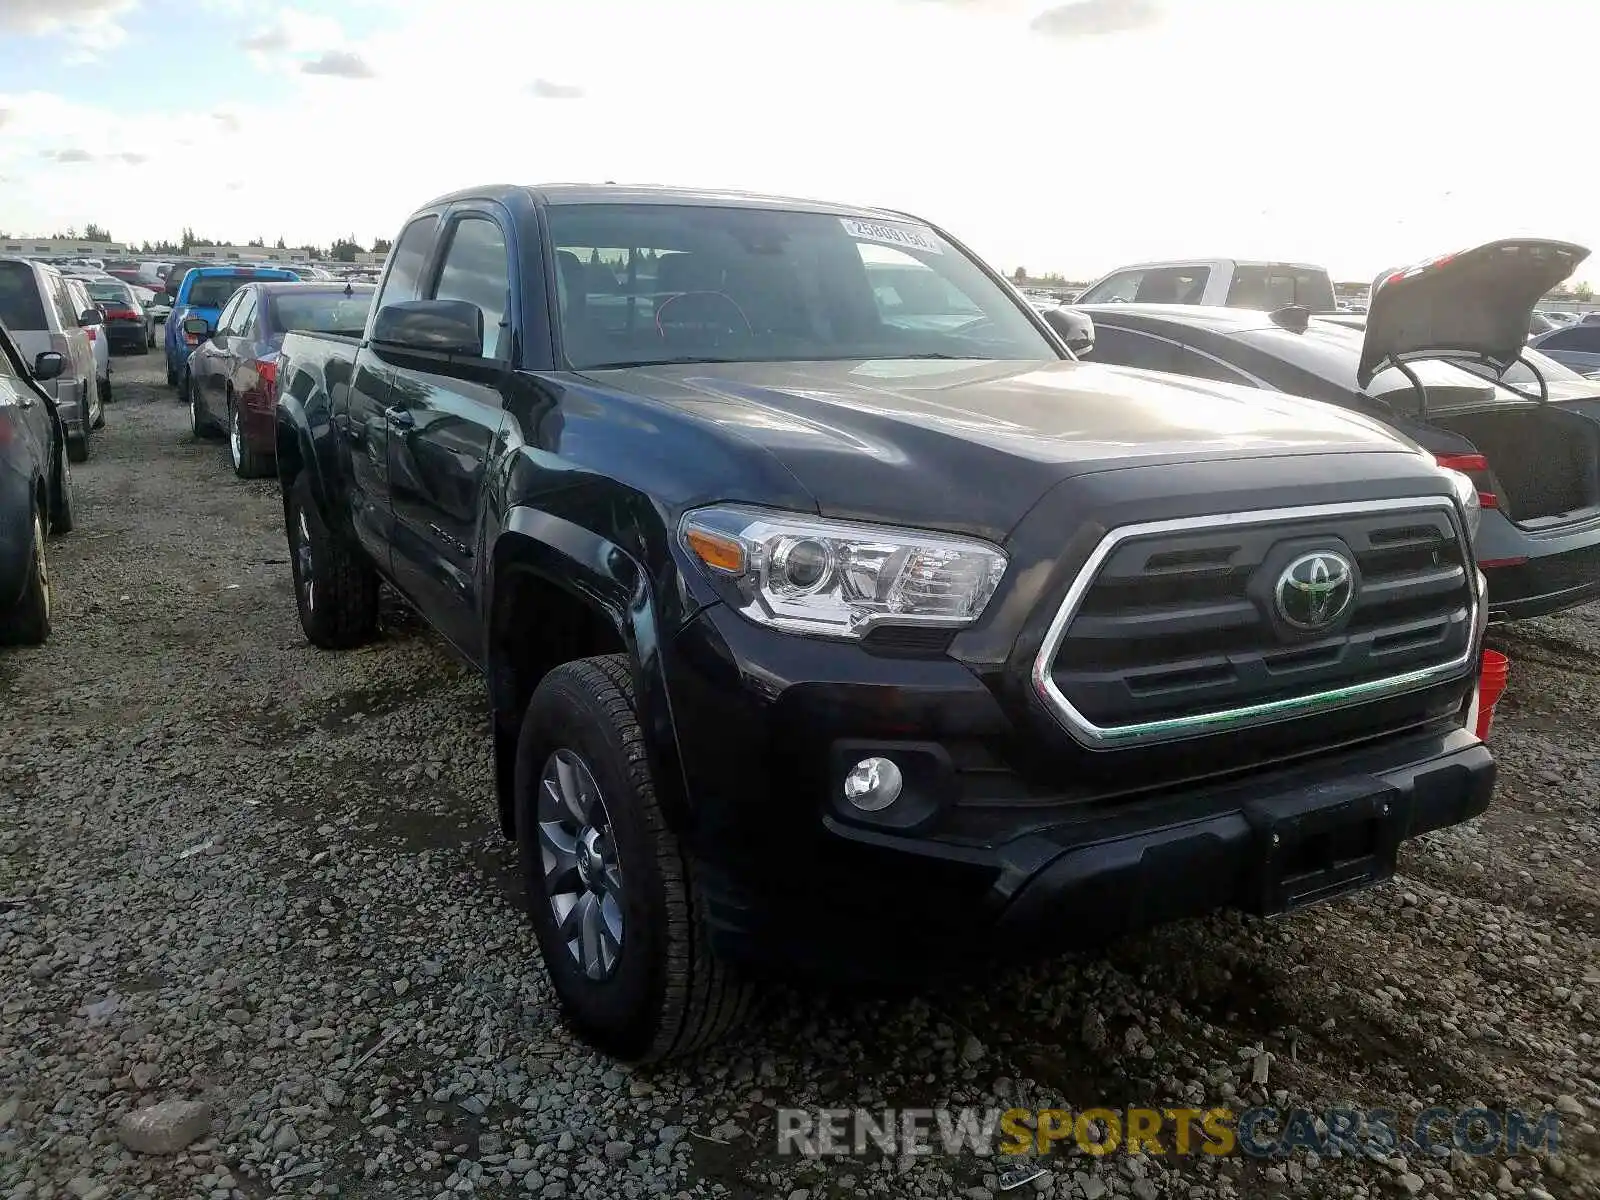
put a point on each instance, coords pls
(873, 784)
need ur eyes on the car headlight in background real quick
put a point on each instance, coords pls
(1467, 496)
(811, 575)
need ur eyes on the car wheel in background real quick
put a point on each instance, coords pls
(78, 441)
(335, 589)
(172, 376)
(199, 423)
(61, 498)
(611, 893)
(247, 464)
(28, 622)
(104, 389)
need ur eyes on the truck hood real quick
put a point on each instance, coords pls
(1476, 303)
(973, 444)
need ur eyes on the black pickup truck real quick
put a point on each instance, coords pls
(836, 619)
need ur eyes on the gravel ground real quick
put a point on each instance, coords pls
(240, 873)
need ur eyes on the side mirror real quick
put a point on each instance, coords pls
(1076, 329)
(48, 365)
(452, 327)
(197, 327)
(91, 316)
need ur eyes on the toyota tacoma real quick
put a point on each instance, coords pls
(834, 618)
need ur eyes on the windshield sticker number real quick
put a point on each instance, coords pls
(908, 237)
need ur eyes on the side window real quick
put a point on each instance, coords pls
(1125, 348)
(245, 317)
(1585, 339)
(1116, 290)
(225, 317)
(405, 263)
(1203, 366)
(476, 270)
(61, 297)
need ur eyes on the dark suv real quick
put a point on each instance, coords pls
(835, 618)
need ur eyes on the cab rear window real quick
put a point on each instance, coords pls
(1271, 288)
(20, 304)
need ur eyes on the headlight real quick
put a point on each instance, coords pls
(1467, 495)
(837, 578)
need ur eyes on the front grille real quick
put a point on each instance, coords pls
(1182, 628)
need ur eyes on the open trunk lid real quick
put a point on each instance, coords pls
(1473, 304)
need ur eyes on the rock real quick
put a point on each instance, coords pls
(1093, 1187)
(565, 1143)
(617, 1151)
(670, 1135)
(971, 1050)
(800, 1194)
(1275, 1175)
(1411, 1183)
(1143, 1189)
(1569, 1106)
(978, 1193)
(164, 1128)
(285, 1139)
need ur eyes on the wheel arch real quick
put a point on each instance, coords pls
(559, 592)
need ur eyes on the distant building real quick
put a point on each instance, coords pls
(62, 248)
(269, 254)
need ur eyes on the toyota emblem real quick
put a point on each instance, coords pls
(1315, 590)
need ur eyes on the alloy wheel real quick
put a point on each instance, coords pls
(235, 437)
(582, 873)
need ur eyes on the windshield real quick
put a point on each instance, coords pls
(105, 290)
(321, 312)
(213, 291)
(649, 283)
(20, 305)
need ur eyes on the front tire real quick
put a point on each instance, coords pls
(78, 446)
(28, 622)
(247, 464)
(611, 893)
(335, 589)
(103, 390)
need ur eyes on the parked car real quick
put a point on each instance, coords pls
(35, 491)
(173, 279)
(818, 639)
(1216, 281)
(234, 371)
(1576, 346)
(38, 309)
(1536, 464)
(93, 320)
(128, 326)
(202, 294)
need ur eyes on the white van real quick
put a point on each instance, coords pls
(36, 306)
(1230, 282)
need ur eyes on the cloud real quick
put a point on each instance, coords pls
(342, 64)
(547, 90)
(71, 155)
(5, 115)
(1094, 18)
(133, 159)
(92, 24)
(227, 120)
(266, 41)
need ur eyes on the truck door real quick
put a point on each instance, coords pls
(360, 413)
(443, 428)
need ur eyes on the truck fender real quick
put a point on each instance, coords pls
(297, 452)
(615, 587)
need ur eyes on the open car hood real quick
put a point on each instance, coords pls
(1474, 304)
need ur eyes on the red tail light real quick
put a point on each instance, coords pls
(121, 314)
(91, 331)
(267, 372)
(1476, 467)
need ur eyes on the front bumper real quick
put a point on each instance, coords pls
(1007, 860)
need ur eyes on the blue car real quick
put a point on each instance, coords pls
(203, 293)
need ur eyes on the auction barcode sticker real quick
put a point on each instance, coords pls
(911, 237)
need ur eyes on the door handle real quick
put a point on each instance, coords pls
(399, 417)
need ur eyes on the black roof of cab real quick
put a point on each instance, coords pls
(614, 193)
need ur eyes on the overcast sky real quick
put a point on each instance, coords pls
(1357, 133)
